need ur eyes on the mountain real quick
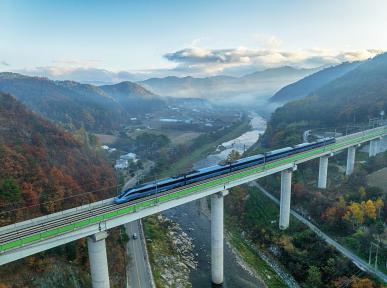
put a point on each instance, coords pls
(235, 90)
(75, 105)
(134, 97)
(42, 163)
(357, 95)
(312, 82)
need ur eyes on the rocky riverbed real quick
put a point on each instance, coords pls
(175, 269)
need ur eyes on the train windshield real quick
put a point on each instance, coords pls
(138, 188)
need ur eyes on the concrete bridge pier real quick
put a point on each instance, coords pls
(217, 237)
(286, 187)
(98, 260)
(323, 172)
(350, 160)
(373, 147)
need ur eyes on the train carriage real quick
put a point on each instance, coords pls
(151, 188)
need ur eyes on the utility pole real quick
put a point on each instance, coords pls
(376, 254)
(381, 117)
(116, 182)
(154, 175)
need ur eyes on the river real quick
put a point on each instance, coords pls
(197, 225)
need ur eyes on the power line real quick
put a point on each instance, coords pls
(351, 279)
(58, 200)
(30, 198)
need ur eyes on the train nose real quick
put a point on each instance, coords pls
(118, 200)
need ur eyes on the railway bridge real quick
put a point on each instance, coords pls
(94, 220)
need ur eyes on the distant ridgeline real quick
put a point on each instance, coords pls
(359, 92)
(107, 108)
(73, 105)
(244, 90)
(41, 164)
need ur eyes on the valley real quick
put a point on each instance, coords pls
(67, 143)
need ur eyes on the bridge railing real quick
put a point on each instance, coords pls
(148, 202)
(347, 129)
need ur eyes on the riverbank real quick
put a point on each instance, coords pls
(257, 262)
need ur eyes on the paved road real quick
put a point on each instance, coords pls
(357, 260)
(138, 272)
(137, 269)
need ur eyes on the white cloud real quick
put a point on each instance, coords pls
(213, 61)
(200, 62)
(268, 41)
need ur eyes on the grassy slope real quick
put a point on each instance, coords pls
(266, 273)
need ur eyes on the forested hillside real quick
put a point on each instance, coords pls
(42, 164)
(303, 87)
(42, 170)
(76, 105)
(354, 97)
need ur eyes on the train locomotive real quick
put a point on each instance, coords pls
(155, 187)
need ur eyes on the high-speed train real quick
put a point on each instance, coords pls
(151, 188)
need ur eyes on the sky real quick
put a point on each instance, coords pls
(115, 40)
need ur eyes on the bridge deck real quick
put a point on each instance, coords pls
(35, 235)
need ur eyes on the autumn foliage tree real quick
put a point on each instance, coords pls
(354, 214)
(362, 283)
(44, 165)
(357, 213)
(333, 215)
(369, 209)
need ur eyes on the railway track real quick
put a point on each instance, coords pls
(9, 234)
